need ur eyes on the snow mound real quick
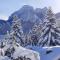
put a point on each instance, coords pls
(4, 58)
(20, 51)
(47, 53)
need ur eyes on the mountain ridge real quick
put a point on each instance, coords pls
(28, 16)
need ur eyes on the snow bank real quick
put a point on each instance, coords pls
(20, 51)
(47, 53)
(4, 58)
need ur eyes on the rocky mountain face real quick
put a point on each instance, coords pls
(4, 27)
(29, 16)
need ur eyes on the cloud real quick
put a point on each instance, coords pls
(4, 17)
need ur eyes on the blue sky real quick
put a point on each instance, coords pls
(7, 7)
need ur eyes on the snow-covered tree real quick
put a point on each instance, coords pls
(14, 37)
(26, 42)
(35, 34)
(17, 31)
(7, 38)
(50, 35)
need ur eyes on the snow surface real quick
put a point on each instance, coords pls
(4, 58)
(47, 53)
(34, 52)
(19, 51)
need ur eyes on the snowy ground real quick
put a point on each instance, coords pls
(33, 52)
(47, 53)
(26, 54)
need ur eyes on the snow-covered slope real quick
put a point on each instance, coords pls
(47, 53)
(4, 58)
(19, 52)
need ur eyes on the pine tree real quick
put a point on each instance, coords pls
(35, 34)
(27, 38)
(16, 34)
(50, 35)
(7, 38)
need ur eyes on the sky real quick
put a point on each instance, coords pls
(7, 7)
